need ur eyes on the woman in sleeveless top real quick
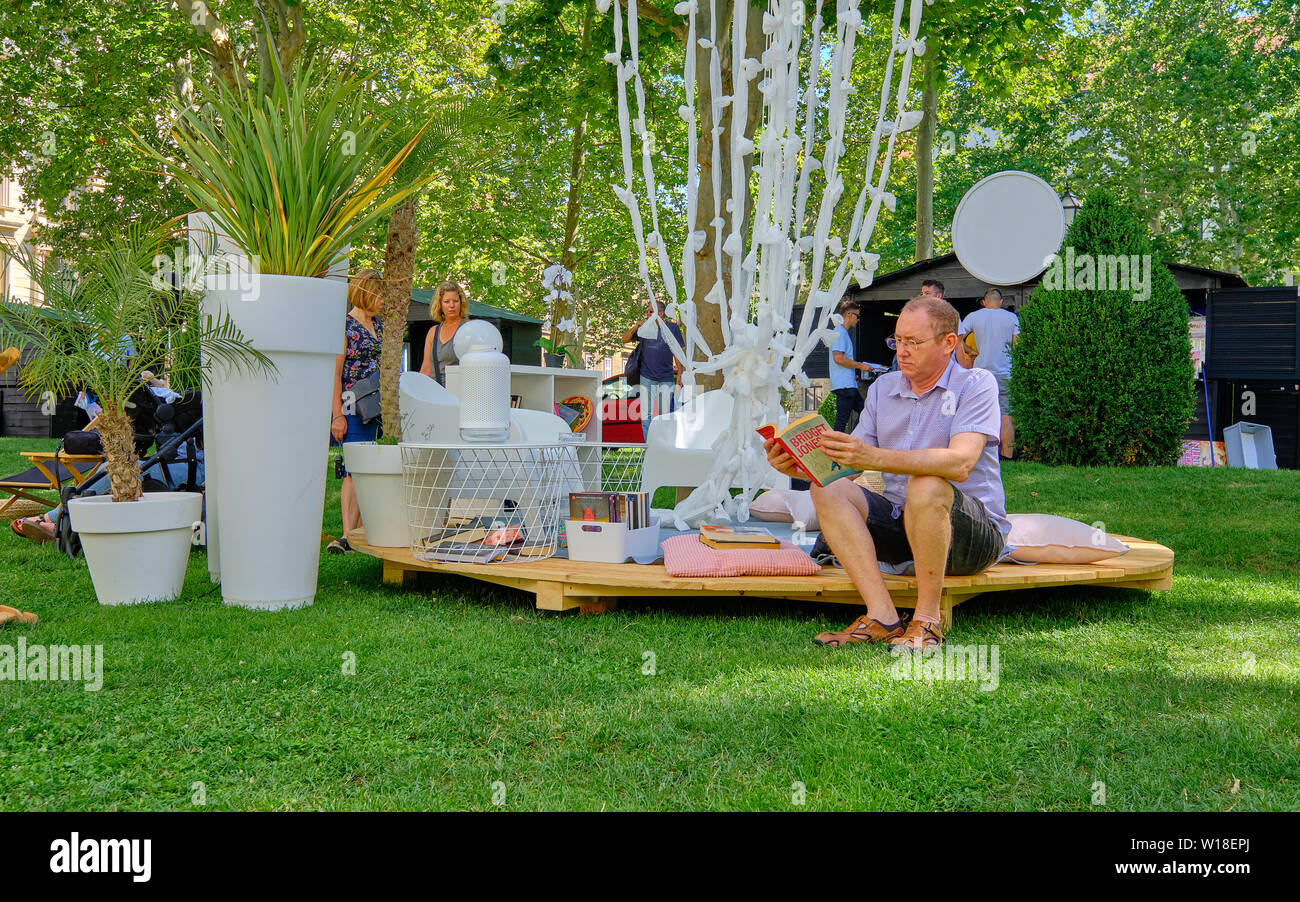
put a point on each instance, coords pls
(364, 332)
(449, 310)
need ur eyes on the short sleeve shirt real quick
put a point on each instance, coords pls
(994, 329)
(842, 376)
(895, 418)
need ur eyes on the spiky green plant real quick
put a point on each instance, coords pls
(105, 320)
(293, 175)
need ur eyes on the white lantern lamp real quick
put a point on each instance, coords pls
(484, 383)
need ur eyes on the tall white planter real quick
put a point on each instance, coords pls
(136, 550)
(377, 476)
(210, 248)
(267, 437)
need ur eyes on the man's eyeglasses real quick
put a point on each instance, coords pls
(911, 343)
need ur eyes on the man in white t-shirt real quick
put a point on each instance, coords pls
(995, 331)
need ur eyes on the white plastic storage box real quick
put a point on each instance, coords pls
(611, 543)
(1250, 445)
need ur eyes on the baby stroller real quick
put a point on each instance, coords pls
(174, 430)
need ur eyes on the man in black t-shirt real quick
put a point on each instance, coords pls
(659, 370)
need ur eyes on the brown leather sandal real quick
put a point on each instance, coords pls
(38, 529)
(919, 635)
(864, 629)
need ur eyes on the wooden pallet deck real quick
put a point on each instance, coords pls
(561, 584)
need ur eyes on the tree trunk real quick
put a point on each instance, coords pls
(117, 433)
(399, 274)
(708, 315)
(925, 161)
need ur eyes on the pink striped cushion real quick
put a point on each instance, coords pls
(688, 556)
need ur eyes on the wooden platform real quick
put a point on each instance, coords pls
(561, 584)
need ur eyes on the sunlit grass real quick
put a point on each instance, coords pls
(1167, 698)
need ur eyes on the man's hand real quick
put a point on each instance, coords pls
(848, 451)
(780, 461)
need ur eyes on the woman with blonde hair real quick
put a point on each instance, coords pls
(449, 309)
(364, 331)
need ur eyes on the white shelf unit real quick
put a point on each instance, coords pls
(542, 387)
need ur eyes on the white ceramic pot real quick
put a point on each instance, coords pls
(267, 437)
(377, 476)
(137, 550)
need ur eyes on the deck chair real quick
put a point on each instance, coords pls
(52, 471)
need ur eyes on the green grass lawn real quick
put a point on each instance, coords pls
(1168, 698)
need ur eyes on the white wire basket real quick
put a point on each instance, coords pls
(605, 467)
(488, 503)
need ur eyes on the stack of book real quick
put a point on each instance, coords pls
(730, 537)
(630, 508)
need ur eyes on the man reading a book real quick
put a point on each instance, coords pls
(932, 428)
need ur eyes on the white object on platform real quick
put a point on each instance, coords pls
(268, 436)
(1007, 226)
(377, 477)
(431, 415)
(1049, 539)
(786, 506)
(680, 446)
(484, 383)
(137, 551)
(612, 543)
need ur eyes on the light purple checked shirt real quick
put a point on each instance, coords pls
(963, 400)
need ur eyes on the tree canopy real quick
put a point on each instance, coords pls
(1187, 111)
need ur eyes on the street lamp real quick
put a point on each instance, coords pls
(1070, 204)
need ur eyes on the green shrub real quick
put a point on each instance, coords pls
(1100, 377)
(827, 408)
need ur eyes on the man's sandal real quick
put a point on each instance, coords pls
(919, 635)
(864, 629)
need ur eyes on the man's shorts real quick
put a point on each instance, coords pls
(976, 540)
(1004, 392)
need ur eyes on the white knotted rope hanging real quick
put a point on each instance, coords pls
(763, 355)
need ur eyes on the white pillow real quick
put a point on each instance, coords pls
(1048, 539)
(771, 507)
(786, 506)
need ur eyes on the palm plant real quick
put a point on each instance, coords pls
(103, 323)
(293, 174)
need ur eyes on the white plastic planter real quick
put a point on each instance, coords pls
(137, 550)
(377, 476)
(267, 437)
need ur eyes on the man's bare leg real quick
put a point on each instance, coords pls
(929, 532)
(842, 512)
(1008, 436)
